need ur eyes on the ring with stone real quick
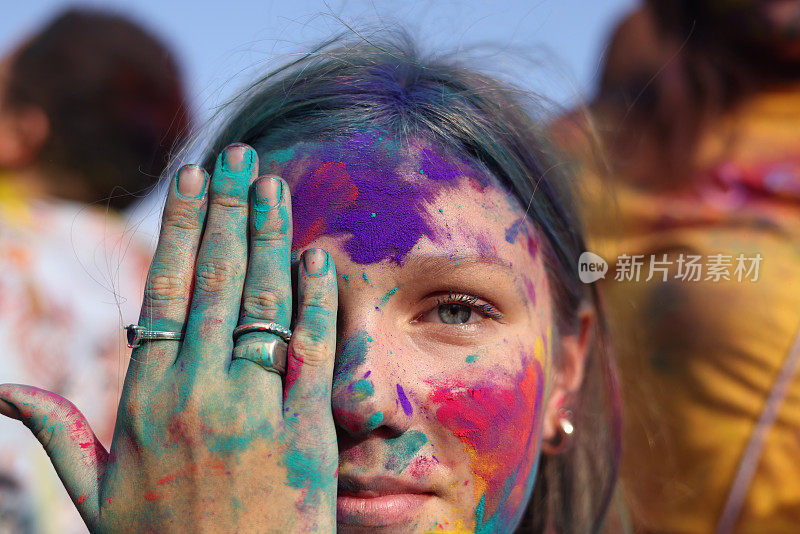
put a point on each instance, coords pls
(137, 334)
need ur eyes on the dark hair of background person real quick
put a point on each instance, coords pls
(113, 98)
(673, 66)
(348, 85)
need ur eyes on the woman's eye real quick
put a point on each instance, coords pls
(458, 309)
(454, 313)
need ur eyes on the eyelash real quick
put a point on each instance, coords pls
(469, 300)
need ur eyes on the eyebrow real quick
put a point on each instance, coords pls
(434, 265)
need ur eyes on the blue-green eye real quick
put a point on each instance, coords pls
(459, 309)
(454, 313)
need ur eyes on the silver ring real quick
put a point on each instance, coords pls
(272, 328)
(271, 355)
(136, 334)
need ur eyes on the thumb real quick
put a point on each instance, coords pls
(77, 455)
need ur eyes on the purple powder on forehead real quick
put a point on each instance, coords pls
(355, 188)
(434, 167)
(485, 247)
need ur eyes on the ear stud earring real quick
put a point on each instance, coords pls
(564, 433)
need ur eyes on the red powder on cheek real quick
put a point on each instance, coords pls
(498, 422)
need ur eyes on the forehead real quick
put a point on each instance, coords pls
(383, 198)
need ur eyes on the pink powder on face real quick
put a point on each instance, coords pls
(499, 423)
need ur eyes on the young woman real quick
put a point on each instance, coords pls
(439, 340)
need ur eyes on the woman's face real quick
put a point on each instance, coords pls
(444, 332)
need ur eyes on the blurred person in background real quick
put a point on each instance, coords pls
(698, 113)
(89, 109)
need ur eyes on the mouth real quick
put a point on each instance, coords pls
(379, 501)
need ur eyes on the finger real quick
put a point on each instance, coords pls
(77, 455)
(267, 293)
(313, 345)
(169, 282)
(220, 270)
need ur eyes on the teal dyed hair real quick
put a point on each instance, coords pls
(349, 85)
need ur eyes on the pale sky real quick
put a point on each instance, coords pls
(553, 47)
(220, 43)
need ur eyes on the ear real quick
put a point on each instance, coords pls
(568, 377)
(23, 132)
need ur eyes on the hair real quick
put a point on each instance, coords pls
(349, 85)
(113, 97)
(673, 67)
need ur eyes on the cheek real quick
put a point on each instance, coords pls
(498, 420)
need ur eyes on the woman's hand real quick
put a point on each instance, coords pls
(203, 440)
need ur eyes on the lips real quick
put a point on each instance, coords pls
(379, 501)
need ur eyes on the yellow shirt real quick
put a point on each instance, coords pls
(699, 358)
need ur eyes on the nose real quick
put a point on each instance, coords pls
(366, 395)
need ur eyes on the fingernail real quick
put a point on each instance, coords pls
(269, 192)
(191, 182)
(237, 158)
(315, 261)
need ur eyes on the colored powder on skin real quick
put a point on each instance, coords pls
(361, 389)
(485, 526)
(228, 444)
(342, 189)
(529, 289)
(64, 418)
(303, 471)
(435, 167)
(346, 278)
(403, 450)
(350, 357)
(292, 372)
(279, 157)
(384, 299)
(313, 315)
(375, 420)
(532, 246)
(519, 225)
(401, 396)
(364, 276)
(485, 248)
(516, 226)
(498, 422)
(471, 358)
